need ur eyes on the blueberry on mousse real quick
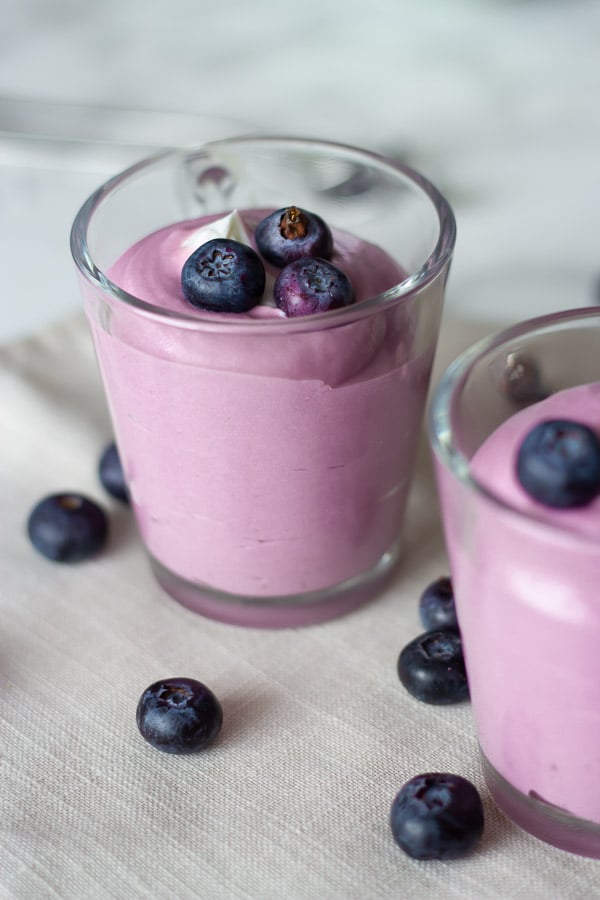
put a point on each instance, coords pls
(436, 605)
(67, 527)
(432, 668)
(179, 715)
(309, 286)
(289, 234)
(223, 275)
(558, 463)
(110, 472)
(437, 816)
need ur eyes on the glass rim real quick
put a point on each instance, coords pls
(443, 401)
(436, 262)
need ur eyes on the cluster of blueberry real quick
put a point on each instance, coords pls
(224, 275)
(431, 667)
(69, 527)
(436, 815)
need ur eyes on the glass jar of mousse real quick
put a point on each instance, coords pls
(268, 458)
(525, 573)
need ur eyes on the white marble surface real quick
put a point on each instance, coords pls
(497, 102)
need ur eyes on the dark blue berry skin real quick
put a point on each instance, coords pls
(437, 816)
(558, 464)
(432, 668)
(310, 286)
(179, 715)
(436, 605)
(110, 472)
(292, 233)
(67, 527)
(223, 276)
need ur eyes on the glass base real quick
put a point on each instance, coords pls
(290, 611)
(545, 821)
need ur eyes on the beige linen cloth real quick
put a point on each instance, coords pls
(293, 800)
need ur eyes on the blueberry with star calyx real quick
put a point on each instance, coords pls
(432, 668)
(309, 286)
(67, 527)
(292, 233)
(558, 463)
(437, 815)
(179, 715)
(223, 275)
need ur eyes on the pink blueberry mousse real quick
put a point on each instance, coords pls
(526, 584)
(264, 460)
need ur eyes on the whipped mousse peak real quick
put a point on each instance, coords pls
(230, 226)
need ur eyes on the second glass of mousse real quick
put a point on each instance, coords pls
(265, 314)
(515, 426)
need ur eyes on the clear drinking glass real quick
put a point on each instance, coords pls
(269, 460)
(526, 588)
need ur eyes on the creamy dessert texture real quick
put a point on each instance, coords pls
(530, 616)
(284, 454)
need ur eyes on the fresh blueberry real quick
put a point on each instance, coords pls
(437, 816)
(436, 605)
(558, 463)
(111, 474)
(310, 286)
(179, 715)
(290, 234)
(67, 527)
(223, 275)
(432, 668)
